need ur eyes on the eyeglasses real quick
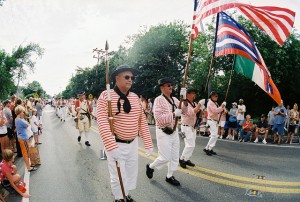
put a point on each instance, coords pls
(129, 77)
(169, 85)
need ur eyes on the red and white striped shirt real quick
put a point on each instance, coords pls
(188, 116)
(127, 126)
(162, 111)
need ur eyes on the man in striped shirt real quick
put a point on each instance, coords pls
(213, 114)
(129, 120)
(165, 109)
(188, 120)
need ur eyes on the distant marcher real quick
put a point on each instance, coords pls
(165, 109)
(188, 120)
(84, 117)
(213, 114)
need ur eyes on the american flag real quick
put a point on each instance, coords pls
(232, 38)
(276, 22)
(205, 8)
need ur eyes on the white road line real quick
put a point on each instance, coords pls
(26, 180)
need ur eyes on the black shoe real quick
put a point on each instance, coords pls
(189, 163)
(119, 200)
(173, 181)
(207, 152)
(61, 120)
(212, 152)
(87, 143)
(149, 171)
(129, 199)
(182, 163)
(79, 138)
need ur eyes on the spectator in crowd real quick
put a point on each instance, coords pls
(30, 104)
(271, 117)
(222, 122)
(18, 148)
(294, 118)
(232, 124)
(4, 141)
(8, 172)
(280, 113)
(34, 126)
(246, 131)
(9, 117)
(21, 127)
(262, 128)
(287, 118)
(241, 112)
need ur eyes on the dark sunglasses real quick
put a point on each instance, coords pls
(129, 77)
(169, 85)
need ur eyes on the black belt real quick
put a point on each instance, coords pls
(212, 120)
(185, 125)
(124, 141)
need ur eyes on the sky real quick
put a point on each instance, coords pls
(69, 30)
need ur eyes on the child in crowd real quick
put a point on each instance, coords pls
(34, 126)
(9, 175)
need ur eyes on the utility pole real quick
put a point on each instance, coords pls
(100, 54)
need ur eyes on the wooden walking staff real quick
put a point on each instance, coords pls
(229, 83)
(110, 116)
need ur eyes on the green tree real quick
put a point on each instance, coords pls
(159, 52)
(34, 88)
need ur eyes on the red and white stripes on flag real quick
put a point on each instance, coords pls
(275, 21)
(205, 8)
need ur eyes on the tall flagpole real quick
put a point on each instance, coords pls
(185, 78)
(110, 117)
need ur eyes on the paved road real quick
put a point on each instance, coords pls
(70, 171)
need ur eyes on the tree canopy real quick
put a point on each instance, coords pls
(161, 51)
(14, 67)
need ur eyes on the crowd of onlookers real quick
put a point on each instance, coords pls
(280, 125)
(19, 121)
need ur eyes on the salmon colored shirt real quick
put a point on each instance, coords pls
(213, 110)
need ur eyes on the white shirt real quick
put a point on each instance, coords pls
(34, 128)
(241, 114)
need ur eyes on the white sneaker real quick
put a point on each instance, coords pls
(232, 137)
(264, 141)
(256, 140)
(221, 137)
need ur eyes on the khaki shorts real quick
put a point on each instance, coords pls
(84, 125)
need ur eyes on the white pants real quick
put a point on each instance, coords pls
(63, 113)
(189, 142)
(95, 111)
(168, 151)
(128, 166)
(213, 127)
(84, 127)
